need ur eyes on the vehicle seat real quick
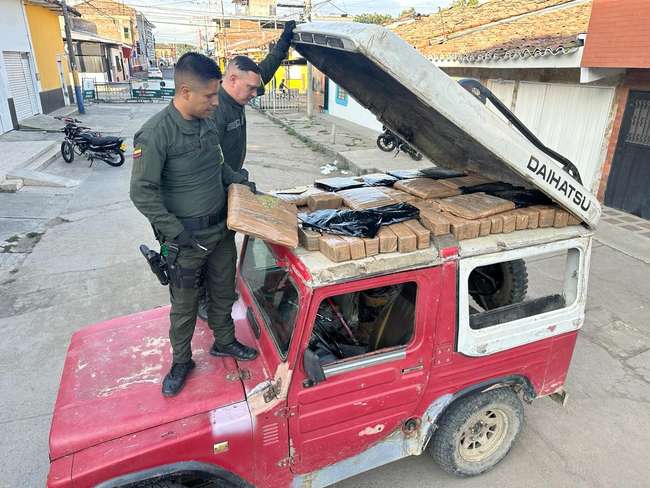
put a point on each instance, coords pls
(101, 140)
(394, 325)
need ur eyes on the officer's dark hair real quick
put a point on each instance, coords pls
(196, 66)
(245, 63)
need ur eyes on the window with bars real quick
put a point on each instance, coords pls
(639, 132)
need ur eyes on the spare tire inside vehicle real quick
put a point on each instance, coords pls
(497, 285)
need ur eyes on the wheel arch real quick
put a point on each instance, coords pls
(438, 407)
(186, 469)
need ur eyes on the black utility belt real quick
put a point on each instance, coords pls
(193, 224)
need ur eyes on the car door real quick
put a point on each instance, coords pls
(367, 396)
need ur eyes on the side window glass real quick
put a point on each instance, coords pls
(511, 290)
(363, 322)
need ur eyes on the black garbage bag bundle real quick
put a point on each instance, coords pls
(434, 172)
(379, 179)
(520, 196)
(358, 223)
(338, 183)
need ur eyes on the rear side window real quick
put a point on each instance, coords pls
(512, 290)
(516, 297)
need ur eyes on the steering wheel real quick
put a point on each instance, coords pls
(331, 345)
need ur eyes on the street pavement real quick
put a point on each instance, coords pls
(70, 258)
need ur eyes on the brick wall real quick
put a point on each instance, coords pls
(618, 35)
(111, 18)
(635, 80)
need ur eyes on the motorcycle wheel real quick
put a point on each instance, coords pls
(110, 160)
(386, 143)
(67, 152)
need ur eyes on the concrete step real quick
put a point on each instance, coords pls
(37, 178)
(45, 159)
(37, 157)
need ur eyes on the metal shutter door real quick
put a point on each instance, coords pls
(21, 86)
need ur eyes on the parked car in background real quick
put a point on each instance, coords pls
(155, 73)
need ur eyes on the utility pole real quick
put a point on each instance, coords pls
(73, 62)
(310, 95)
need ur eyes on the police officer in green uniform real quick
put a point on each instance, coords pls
(244, 79)
(179, 183)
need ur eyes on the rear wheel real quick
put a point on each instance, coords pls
(115, 159)
(477, 432)
(67, 152)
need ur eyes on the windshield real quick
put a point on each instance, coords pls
(275, 294)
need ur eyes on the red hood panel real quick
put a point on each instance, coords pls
(112, 379)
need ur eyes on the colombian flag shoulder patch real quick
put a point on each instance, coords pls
(137, 153)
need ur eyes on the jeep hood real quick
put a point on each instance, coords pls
(413, 97)
(112, 380)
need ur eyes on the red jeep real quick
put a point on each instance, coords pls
(363, 362)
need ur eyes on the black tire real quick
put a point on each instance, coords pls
(67, 152)
(112, 162)
(386, 143)
(477, 431)
(497, 285)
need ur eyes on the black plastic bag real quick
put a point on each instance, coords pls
(434, 172)
(520, 196)
(379, 179)
(337, 183)
(358, 223)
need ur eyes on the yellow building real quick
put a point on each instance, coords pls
(51, 61)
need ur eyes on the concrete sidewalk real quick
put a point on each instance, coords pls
(353, 146)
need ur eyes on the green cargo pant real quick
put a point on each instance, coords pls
(220, 266)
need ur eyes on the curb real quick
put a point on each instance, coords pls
(343, 162)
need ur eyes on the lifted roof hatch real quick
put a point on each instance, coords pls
(430, 110)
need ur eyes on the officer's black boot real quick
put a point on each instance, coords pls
(235, 349)
(175, 379)
(203, 307)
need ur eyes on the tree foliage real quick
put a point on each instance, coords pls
(373, 18)
(464, 3)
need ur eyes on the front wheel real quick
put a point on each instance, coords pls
(386, 143)
(67, 152)
(115, 159)
(477, 432)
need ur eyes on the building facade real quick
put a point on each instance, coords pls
(19, 86)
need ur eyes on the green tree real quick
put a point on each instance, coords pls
(464, 3)
(409, 12)
(372, 18)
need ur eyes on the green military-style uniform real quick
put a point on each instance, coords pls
(230, 116)
(179, 182)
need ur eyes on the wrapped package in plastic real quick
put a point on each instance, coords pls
(362, 198)
(298, 196)
(358, 223)
(378, 179)
(335, 248)
(475, 205)
(468, 180)
(338, 183)
(324, 200)
(262, 216)
(433, 172)
(399, 195)
(426, 188)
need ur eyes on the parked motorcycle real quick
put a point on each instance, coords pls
(388, 141)
(92, 145)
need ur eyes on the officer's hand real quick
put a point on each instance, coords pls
(251, 185)
(287, 33)
(244, 173)
(185, 239)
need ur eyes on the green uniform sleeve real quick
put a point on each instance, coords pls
(148, 161)
(269, 65)
(229, 176)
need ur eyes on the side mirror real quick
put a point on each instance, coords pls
(313, 369)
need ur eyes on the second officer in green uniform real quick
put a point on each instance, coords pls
(179, 183)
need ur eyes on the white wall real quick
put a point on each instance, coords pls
(14, 36)
(570, 119)
(351, 111)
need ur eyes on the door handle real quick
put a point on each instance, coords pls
(418, 367)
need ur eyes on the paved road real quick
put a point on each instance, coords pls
(86, 268)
